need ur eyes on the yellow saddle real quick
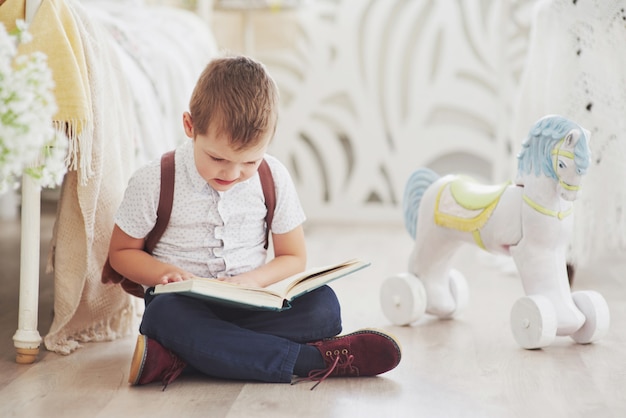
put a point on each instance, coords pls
(466, 205)
(473, 195)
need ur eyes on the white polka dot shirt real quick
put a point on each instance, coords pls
(210, 233)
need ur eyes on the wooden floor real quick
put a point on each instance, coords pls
(466, 367)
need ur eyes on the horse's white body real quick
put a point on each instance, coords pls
(536, 242)
(532, 222)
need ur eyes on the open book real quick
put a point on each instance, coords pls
(275, 297)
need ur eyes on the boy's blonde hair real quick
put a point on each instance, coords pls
(237, 97)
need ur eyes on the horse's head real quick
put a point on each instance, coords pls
(557, 148)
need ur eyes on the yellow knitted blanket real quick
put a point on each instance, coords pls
(55, 33)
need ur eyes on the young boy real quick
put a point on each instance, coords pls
(217, 229)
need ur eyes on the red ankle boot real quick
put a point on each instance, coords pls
(152, 362)
(361, 353)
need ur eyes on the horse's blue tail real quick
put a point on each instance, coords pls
(415, 187)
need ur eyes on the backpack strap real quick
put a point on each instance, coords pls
(269, 192)
(164, 210)
(166, 201)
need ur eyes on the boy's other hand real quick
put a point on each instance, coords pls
(241, 279)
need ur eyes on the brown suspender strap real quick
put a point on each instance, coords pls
(166, 201)
(269, 192)
(164, 210)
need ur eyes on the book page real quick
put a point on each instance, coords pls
(321, 276)
(284, 286)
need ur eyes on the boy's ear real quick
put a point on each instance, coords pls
(188, 124)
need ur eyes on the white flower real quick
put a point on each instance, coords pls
(28, 142)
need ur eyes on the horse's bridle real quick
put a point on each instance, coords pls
(568, 154)
(549, 212)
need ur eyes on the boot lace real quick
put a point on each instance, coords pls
(341, 364)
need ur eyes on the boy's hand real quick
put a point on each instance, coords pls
(176, 275)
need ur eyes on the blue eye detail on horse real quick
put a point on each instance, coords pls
(529, 219)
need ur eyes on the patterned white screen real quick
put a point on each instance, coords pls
(373, 89)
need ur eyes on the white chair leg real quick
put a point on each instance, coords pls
(27, 339)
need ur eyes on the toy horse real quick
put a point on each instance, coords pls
(530, 220)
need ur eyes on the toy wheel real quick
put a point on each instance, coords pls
(403, 299)
(597, 316)
(460, 292)
(533, 322)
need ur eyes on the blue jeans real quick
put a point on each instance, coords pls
(235, 343)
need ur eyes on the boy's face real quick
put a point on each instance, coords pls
(220, 165)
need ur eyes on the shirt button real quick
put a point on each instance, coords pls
(218, 232)
(217, 252)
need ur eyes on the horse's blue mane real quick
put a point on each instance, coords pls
(535, 155)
